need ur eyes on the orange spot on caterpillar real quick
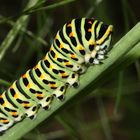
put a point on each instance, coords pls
(63, 74)
(40, 95)
(25, 105)
(4, 121)
(61, 46)
(67, 63)
(16, 96)
(72, 56)
(69, 25)
(13, 113)
(89, 30)
(53, 86)
(71, 34)
(24, 75)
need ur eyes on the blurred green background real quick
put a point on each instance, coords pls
(110, 112)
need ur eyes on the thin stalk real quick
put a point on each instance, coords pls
(137, 64)
(61, 3)
(4, 83)
(20, 23)
(119, 93)
(104, 119)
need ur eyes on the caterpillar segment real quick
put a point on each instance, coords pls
(9, 112)
(78, 47)
(5, 121)
(9, 108)
(89, 38)
(61, 59)
(47, 81)
(39, 95)
(59, 72)
(22, 100)
(63, 43)
(80, 43)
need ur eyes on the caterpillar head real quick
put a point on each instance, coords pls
(101, 38)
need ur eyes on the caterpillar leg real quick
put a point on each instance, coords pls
(87, 57)
(46, 101)
(97, 57)
(73, 79)
(60, 91)
(82, 69)
(32, 111)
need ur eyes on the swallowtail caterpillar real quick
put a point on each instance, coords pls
(80, 42)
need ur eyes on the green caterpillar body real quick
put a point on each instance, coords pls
(80, 42)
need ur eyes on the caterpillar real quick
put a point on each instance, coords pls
(80, 43)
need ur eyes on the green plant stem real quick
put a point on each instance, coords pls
(104, 119)
(29, 33)
(5, 83)
(88, 82)
(64, 2)
(119, 93)
(138, 69)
